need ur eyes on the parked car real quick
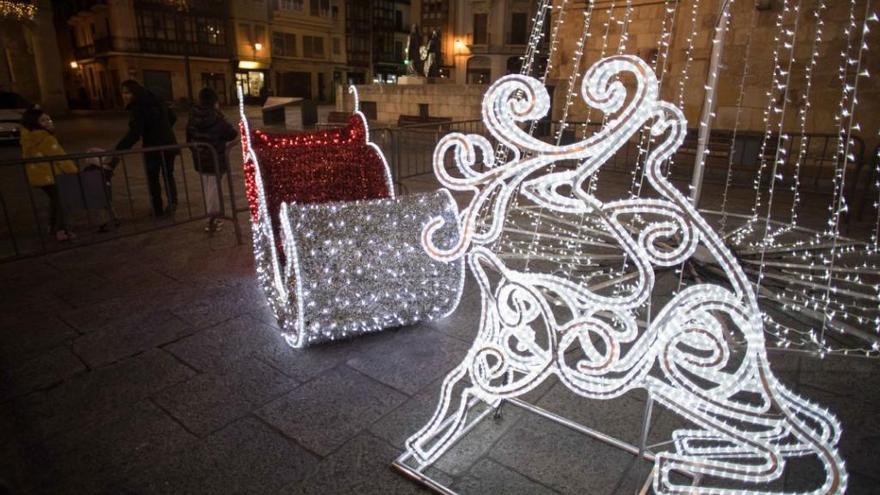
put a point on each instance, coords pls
(12, 105)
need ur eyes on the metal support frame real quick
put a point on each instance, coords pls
(709, 102)
(412, 469)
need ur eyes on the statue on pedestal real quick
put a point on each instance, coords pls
(413, 58)
(431, 55)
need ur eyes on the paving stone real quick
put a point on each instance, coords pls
(24, 274)
(210, 401)
(361, 466)
(137, 308)
(563, 460)
(304, 364)
(90, 459)
(329, 410)
(857, 385)
(17, 473)
(398, 425)
(464, 322)
(488, 476)
(621, 418)
(480, 440)
(42, 371)
(115, 342)
(860, 439)
(82, 288)
(24, 336)
(88, 397)
(216, 347)
(228, 264)
(247, 456)
(203, 309)
(411, 360)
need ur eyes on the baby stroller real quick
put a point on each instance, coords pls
(91, 189)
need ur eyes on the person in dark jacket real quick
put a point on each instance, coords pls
(208, 125)
(150, 121)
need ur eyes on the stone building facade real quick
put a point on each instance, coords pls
(173, 53)
(308, 47)
(683, 80)
(490, 38)
(30, 60)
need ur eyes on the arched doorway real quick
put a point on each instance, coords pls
(479, 70)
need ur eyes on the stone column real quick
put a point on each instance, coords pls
(47, 60)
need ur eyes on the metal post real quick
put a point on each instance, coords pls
(646, 425)
(709, 101)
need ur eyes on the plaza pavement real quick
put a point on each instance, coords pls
(151, 364)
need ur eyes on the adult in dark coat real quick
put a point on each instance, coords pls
(150, 121)
(206, 124)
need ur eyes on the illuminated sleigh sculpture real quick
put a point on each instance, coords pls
(745, 423)
(336, 253)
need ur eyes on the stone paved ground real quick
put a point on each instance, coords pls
(151, 365)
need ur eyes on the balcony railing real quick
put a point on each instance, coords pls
(103, 46)
(181, 47)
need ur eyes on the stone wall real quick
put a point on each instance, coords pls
(455, 101)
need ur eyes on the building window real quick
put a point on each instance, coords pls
(518, 28)
(481, 31)
(319, 8)
(283, 44)
(244, 33)
(337, 47)
(291, 5)
(313, 46)
(157, 25)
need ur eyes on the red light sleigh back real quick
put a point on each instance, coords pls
(314, 167)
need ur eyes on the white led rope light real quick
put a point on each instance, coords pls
(744, 423)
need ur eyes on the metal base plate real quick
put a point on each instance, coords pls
(407, 465)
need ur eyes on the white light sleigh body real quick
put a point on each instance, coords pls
(743, 424)
(334, 267)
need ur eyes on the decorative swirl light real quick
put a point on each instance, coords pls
(745, 424)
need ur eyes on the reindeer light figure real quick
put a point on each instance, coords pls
(745, 423)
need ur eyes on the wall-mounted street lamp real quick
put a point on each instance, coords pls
(74, 65)
(258, 47)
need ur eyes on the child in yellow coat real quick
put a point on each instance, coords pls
(37, 140)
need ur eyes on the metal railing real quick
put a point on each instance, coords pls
(121, 204)
(409, 150)
(151, 45)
